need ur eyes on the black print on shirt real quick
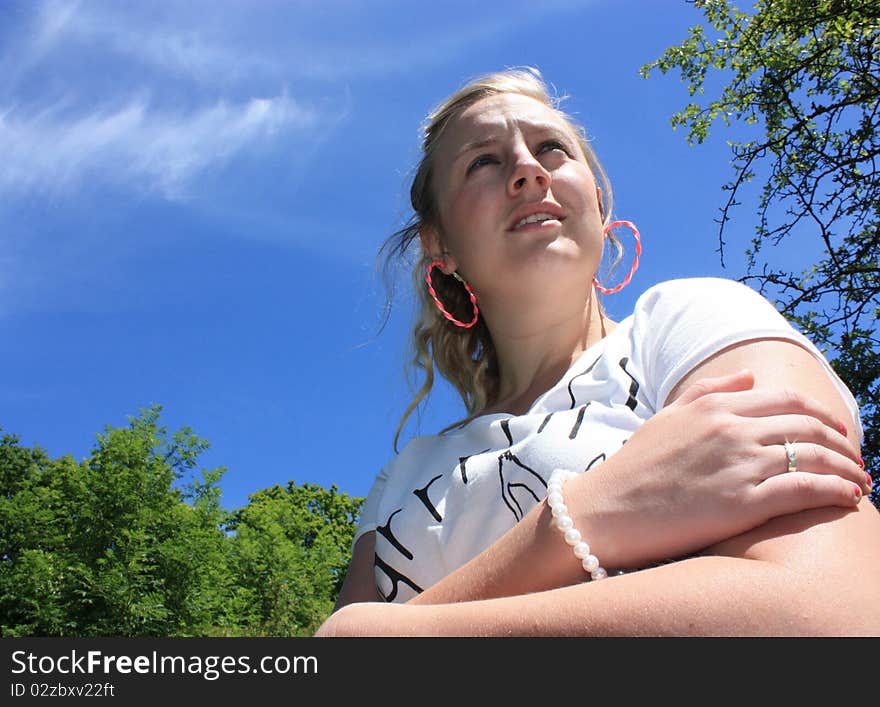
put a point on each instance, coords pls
(462, 461)
(578, 421)
(395, 577)
(422, 495)
(598, 458)
(633, 387)
(505, 425)
(571, 382)
(513, 481)
(385, 532)
(544, 423)
(520, 486)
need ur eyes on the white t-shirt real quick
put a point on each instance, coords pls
(445, 498)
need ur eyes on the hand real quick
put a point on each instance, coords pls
(710, 466)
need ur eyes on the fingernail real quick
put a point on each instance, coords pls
(870, 479)
(861, 462)
(858, 491)
(843, 430)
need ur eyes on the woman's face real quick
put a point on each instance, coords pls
(516, 199)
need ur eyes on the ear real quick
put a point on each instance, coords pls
(432, 245)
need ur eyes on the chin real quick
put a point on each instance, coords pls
(565, 272)
(561, 255)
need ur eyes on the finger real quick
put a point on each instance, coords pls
(790, 493)
(780, 401)
(778, 429)
(735, 382)
(814, 459)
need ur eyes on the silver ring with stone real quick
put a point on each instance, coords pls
(792, 456)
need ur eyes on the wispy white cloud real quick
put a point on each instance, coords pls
(159, 97)
(221, 43)
(202, 48)
(57, 126)
(55, 149)
(53, 17)
(76, 103)
(38, 30)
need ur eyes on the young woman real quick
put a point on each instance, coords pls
(725, 492)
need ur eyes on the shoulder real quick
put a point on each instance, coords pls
(677, 324)
(418, 446)
(391, 477)
(412, 456)
(676, 297)
(689, 311)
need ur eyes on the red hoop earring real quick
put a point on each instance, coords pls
(473, 297)
(635, 264)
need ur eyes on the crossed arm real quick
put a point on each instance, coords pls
(815, 571)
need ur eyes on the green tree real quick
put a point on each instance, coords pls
(130, 542)
(290, 551)
(107, 546)
(32, 577)
(803, 76)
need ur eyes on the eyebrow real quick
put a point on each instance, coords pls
(475, 145)
(531, 127)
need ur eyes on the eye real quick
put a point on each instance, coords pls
(550, 146)
(481, 161)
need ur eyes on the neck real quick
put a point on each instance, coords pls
(535, 353)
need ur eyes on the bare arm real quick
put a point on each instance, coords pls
(360, 584)
(715, 596)
(685, 481)
(813, 572)
(848, 541)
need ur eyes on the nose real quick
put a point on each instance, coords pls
(527, 172)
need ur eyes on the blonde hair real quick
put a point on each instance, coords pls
(465, 357)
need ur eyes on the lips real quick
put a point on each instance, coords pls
(535, 218)
(536, 212)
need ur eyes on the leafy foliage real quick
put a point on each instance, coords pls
(126, 543)
(290, 553)
(805, 75)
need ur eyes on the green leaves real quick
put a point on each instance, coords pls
(290, 547)
(130, 542)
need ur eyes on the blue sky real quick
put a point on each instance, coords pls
(192, 195)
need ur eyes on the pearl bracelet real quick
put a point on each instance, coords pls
(563, 521)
